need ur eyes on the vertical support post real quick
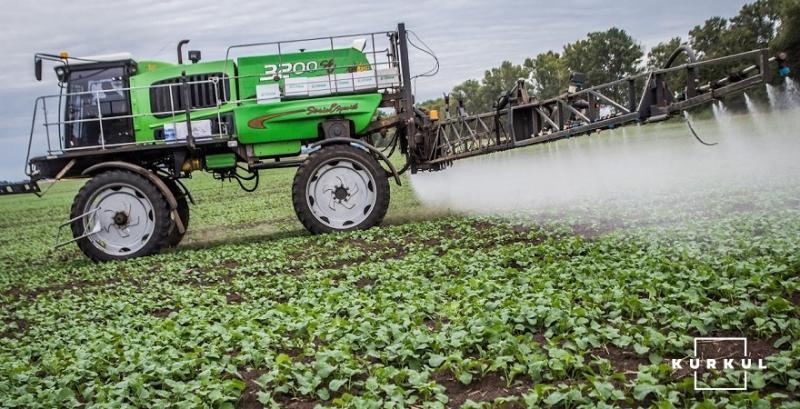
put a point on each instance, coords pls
(100, 119)
(215, 83)
(280, 61)
(392, 53)
(691, 82)
(46, 125)
(331, 69)
(187, 104)
(591, 112)
(374, 61)
(631, 95)
(561, 119)
(405, 74)
(28, 168)
(661, 99)
(763, 65)
(497, 127)
(171, 103)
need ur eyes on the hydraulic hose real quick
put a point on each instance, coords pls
(683, 49)
(689, 123)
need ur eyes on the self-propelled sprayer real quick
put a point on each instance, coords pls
(136, 129)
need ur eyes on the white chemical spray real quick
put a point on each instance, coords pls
(785, 95)
(630, 164)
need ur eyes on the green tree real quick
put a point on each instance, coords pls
(480, 96)
(710, 39)
(431, 104)
(604, 56)
(613, 54)
(496, 81)
(788, 37)
(468, 91)
(549, 74)
(755, 26)
(657, 57)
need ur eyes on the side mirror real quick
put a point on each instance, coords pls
(37, 68)
(194, 56)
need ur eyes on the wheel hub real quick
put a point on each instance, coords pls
(341, 193)
(120, 218)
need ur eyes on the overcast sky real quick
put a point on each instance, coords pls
(467, 35)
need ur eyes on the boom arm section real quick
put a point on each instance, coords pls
(644, 97)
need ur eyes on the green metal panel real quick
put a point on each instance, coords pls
(154, 71)
(220, 161)
(282, 148)
(295, 120)
(287, 120)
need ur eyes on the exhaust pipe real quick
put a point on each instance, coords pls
(180, 50)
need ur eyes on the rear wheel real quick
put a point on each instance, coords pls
(340, 188)
(120, 215)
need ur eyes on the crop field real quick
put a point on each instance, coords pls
(434, 309)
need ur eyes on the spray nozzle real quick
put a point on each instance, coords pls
(783, 65)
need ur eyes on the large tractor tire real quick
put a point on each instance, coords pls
(120, 215)
(175, 236)
(340, 188)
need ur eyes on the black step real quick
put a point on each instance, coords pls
(13, 188)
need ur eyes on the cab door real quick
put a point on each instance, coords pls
(98, 107)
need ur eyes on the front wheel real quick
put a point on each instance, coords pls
(119, 215)
(340, 188)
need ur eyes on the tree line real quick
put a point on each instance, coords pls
(609, 55)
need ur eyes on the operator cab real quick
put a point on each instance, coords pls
(97, 100)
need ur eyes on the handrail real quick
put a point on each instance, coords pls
(330, 39)
(28, 170)
(266, 43)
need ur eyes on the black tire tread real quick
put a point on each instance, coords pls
(174, 237)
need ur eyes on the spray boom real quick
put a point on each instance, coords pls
(642, 98)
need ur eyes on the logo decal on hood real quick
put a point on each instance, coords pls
(332, 109)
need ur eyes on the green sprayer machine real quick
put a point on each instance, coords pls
(136, 129)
